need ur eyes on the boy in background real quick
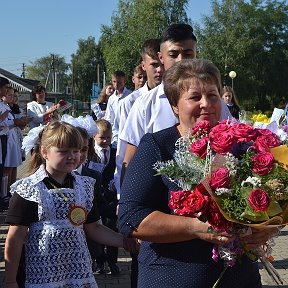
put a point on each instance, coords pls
(118, 81)
(139, 77)
(103, 157)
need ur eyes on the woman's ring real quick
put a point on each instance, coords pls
(220, 238)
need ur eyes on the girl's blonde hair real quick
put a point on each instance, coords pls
(57, 134)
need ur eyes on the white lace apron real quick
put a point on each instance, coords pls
(56, 251)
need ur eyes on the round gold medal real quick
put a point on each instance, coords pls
(77, 215)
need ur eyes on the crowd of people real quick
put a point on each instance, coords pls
(93, 189)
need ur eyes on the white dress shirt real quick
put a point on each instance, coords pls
(36, 111)
(111, 111)
(100, 152)
(120, 120)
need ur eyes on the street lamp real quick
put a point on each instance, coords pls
(232, 75)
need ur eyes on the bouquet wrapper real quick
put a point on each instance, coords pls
(275, 221)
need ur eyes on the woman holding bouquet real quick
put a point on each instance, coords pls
(176, 251)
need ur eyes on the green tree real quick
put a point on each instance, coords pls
(86, 65)
(46, 68)
(250, 37)
(133, 23)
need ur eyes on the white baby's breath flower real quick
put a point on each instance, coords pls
(221, 191)
(231, 164)
(255, 181)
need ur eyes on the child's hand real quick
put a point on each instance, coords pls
(131, 244)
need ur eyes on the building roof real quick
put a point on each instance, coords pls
(21, 84)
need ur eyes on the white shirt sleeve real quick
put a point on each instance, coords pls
(133, 129)
(109, 114)
(97, 111)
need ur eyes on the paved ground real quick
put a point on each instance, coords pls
(280, 254)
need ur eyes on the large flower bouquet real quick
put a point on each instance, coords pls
(234, 176)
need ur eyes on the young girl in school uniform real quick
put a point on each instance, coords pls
(51, 211)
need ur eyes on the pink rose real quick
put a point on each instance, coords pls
(216, 219)
(262, 163)
(201, 128)
(265, 142)
(199, 147)
(259, 200)
(243, 132)
(221, 143)
(220, 179)
(195, 204)
(177, 199)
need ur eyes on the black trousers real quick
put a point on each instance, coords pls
(111, 254)
(3, 139)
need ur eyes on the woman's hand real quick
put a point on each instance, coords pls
(207, 234)
(259, 236)
(131, 244)
(52, 108)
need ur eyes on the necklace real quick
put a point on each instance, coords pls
(77, 214)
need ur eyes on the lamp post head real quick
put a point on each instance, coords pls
(232, 74)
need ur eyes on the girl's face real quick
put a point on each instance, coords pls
(84, 151)
(60, 161)
(200, 102)
(4, 90)
(227, 97)
(9, 96)
(40, 97)
(109, 90)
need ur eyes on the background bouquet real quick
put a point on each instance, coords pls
(233, 176)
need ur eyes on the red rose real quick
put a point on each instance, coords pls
(199, 147)
(202, 127)
(265, 142)
(262, 163)
(177, 199)
(221, 127)
(62, 102)
(220, 179)
(216, 219)
(263, 131)
(195, 204)
(221, 143)
(259, 200)
(243, 132)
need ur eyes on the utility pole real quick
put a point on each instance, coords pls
(23, 70)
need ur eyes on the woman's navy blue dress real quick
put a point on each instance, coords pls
(184, 264)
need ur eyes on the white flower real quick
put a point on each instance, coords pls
(255, 181)
(220, 191)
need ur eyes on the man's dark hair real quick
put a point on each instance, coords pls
(3, 81)
(118, 73)
(150, 47)
(178, 32)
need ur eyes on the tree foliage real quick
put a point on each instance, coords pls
(133, 23)
(251, 38)
(42, 69)
(84, 68)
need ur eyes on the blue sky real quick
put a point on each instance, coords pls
(37, 28)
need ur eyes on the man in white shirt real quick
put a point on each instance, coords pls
(118, 81)
(154, 70)
(152, 112)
